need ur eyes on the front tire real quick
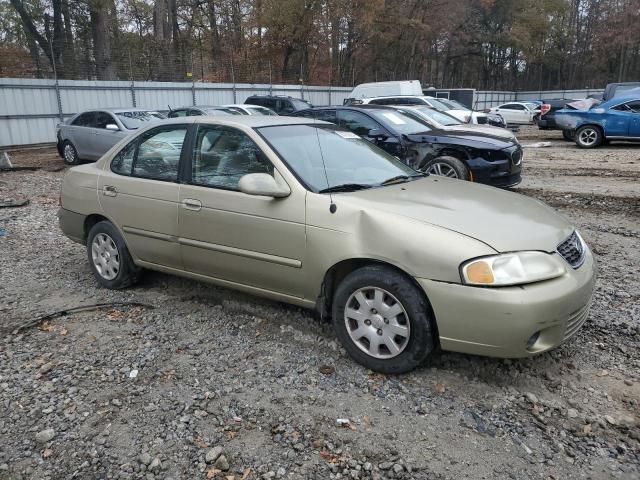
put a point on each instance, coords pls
(588, 137)
(109, 258)
(69, 153)
(447, 166)
(383, 320)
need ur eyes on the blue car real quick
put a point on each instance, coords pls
(615, 119)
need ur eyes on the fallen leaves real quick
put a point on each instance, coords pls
(326, 369)
(47, 453)
(440, 388)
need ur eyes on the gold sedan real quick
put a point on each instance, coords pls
(306, 213)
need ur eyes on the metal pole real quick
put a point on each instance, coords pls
(133, 88)
(233, 80)
(193, 82)
(57, 85)
(301, 84)
(270, 81)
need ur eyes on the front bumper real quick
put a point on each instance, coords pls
(498, 322)
(72, 224)
(502, 171)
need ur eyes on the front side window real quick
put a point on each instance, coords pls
(154, 155)
(322, 156)
(103, 119)
(86, 119)
(222, 156)
(357, 122)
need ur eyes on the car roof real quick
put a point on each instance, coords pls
(358, 107)
(119, 109)
(253, 121)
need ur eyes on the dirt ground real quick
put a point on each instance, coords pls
(202, 382)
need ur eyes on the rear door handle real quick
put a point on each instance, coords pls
(109, 191)
(192, 204)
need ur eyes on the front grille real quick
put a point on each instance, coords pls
(572, 250)
(516, 156)
(481, 119)
(576, 320)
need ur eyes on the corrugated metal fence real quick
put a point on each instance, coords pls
(486, 99)
(30, 109)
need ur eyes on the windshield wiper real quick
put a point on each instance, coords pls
(401, 179)
(345, 187)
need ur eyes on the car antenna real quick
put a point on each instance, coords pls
(332, 206)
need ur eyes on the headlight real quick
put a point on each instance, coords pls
(510, 269)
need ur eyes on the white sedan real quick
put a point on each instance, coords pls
(516, 112)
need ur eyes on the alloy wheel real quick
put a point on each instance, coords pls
(588, 136)
(105, 255)
(377, 322)
(441, 169)
(69, 153)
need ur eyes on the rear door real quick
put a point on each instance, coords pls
(80, 133)
(139, 192)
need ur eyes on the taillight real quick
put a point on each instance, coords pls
(544, 108)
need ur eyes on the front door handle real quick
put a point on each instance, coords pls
(192, 204)
(109, 191)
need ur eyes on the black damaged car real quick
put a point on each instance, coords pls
(474, 156)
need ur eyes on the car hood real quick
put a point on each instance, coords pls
(469, 137)
(503, 220)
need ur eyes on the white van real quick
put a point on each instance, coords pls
(386, 89)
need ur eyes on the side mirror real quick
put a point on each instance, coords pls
(378, 133)
(263, 184)
(112, 126)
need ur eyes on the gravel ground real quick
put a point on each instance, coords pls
(210, 383)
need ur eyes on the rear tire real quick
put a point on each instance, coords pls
(588, 137)
(378, 303)
(446, 166)
(69, 153)
(109, 258)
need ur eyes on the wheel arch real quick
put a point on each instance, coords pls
(337, 272)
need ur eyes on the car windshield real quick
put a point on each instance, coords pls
(300, 104)
(436, 116)
(399, 122)
(457, 105)
(439, 105)
(136, 119)
(261, 111)
(324, 156)
(222, 111)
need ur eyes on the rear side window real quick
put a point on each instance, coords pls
(177, 113)
(154, 155)
(86, 119)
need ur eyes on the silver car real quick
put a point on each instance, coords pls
(89, 135)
